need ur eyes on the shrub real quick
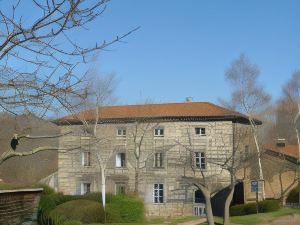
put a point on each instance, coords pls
(83, 210)
(293, 196)
(268, 206)
(72, 222)
(48, 203)
(125, 209)
(250, 208)
(47, 190)
(237, 210)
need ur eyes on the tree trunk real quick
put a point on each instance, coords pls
(209, 213)
(103, 191)
(298, 142)
(226, 218)
(136, 177)
(261, 176)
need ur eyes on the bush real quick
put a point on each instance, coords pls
(72, 222)
(268, 206)
(119, 208)
(47, 190)
(237, 210)
(125, 209)
(293, 196)
(83, 210)
(48, 203)
(250, 208)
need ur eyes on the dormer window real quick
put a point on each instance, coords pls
(159, 132)
(200, 131)
(121, 132)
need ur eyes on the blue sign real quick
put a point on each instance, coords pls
(254, 186)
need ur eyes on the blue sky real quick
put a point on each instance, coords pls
(183, 47)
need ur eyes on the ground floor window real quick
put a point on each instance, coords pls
(85, 188)
(120, 188)
(199, 210)
(158, 193)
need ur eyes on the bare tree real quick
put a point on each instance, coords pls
(99, 92)
(291, 101)
(139, 148)
(248, 96)
(207, 180)
(44, 43)
(42, 62)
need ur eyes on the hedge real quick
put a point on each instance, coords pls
(125, 209)
(85, 211)
(250, 208)
(119, 208)
(293, 196)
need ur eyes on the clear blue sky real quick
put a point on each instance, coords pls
(183, 47)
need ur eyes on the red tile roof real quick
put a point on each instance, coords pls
(167, 110)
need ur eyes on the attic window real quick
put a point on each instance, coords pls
(121, 132)
(159, 132)
(200, 131)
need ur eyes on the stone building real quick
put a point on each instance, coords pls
(151, 149)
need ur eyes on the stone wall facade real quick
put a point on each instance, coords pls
(178, 145)
(19, 207)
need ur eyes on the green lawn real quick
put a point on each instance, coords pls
(260, 218)
(158, 220)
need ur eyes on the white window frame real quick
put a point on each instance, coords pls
(121, 132)
(85, 188)
(86, 160)
(200, 160)
(202, 131)
(158, 193)
(159, 132)
(119, 162)
(158, 160)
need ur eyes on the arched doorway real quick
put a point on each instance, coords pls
(199, 204)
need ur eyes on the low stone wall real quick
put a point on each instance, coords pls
(19, 207)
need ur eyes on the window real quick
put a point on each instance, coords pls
(120, 159)
(120, 188)
(86, 158)
(200, 131)
(85, 188)
(158, 132)
(200, 160)
(158, 159)
(158, 193)
(121, 132)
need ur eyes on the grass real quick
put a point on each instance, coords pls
(158, 220)
(260, 218)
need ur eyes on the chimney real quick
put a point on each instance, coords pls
(188, 99)
(281, 143)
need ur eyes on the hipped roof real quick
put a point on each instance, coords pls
(168, 111)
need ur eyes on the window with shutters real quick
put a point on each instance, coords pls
(120, 159)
